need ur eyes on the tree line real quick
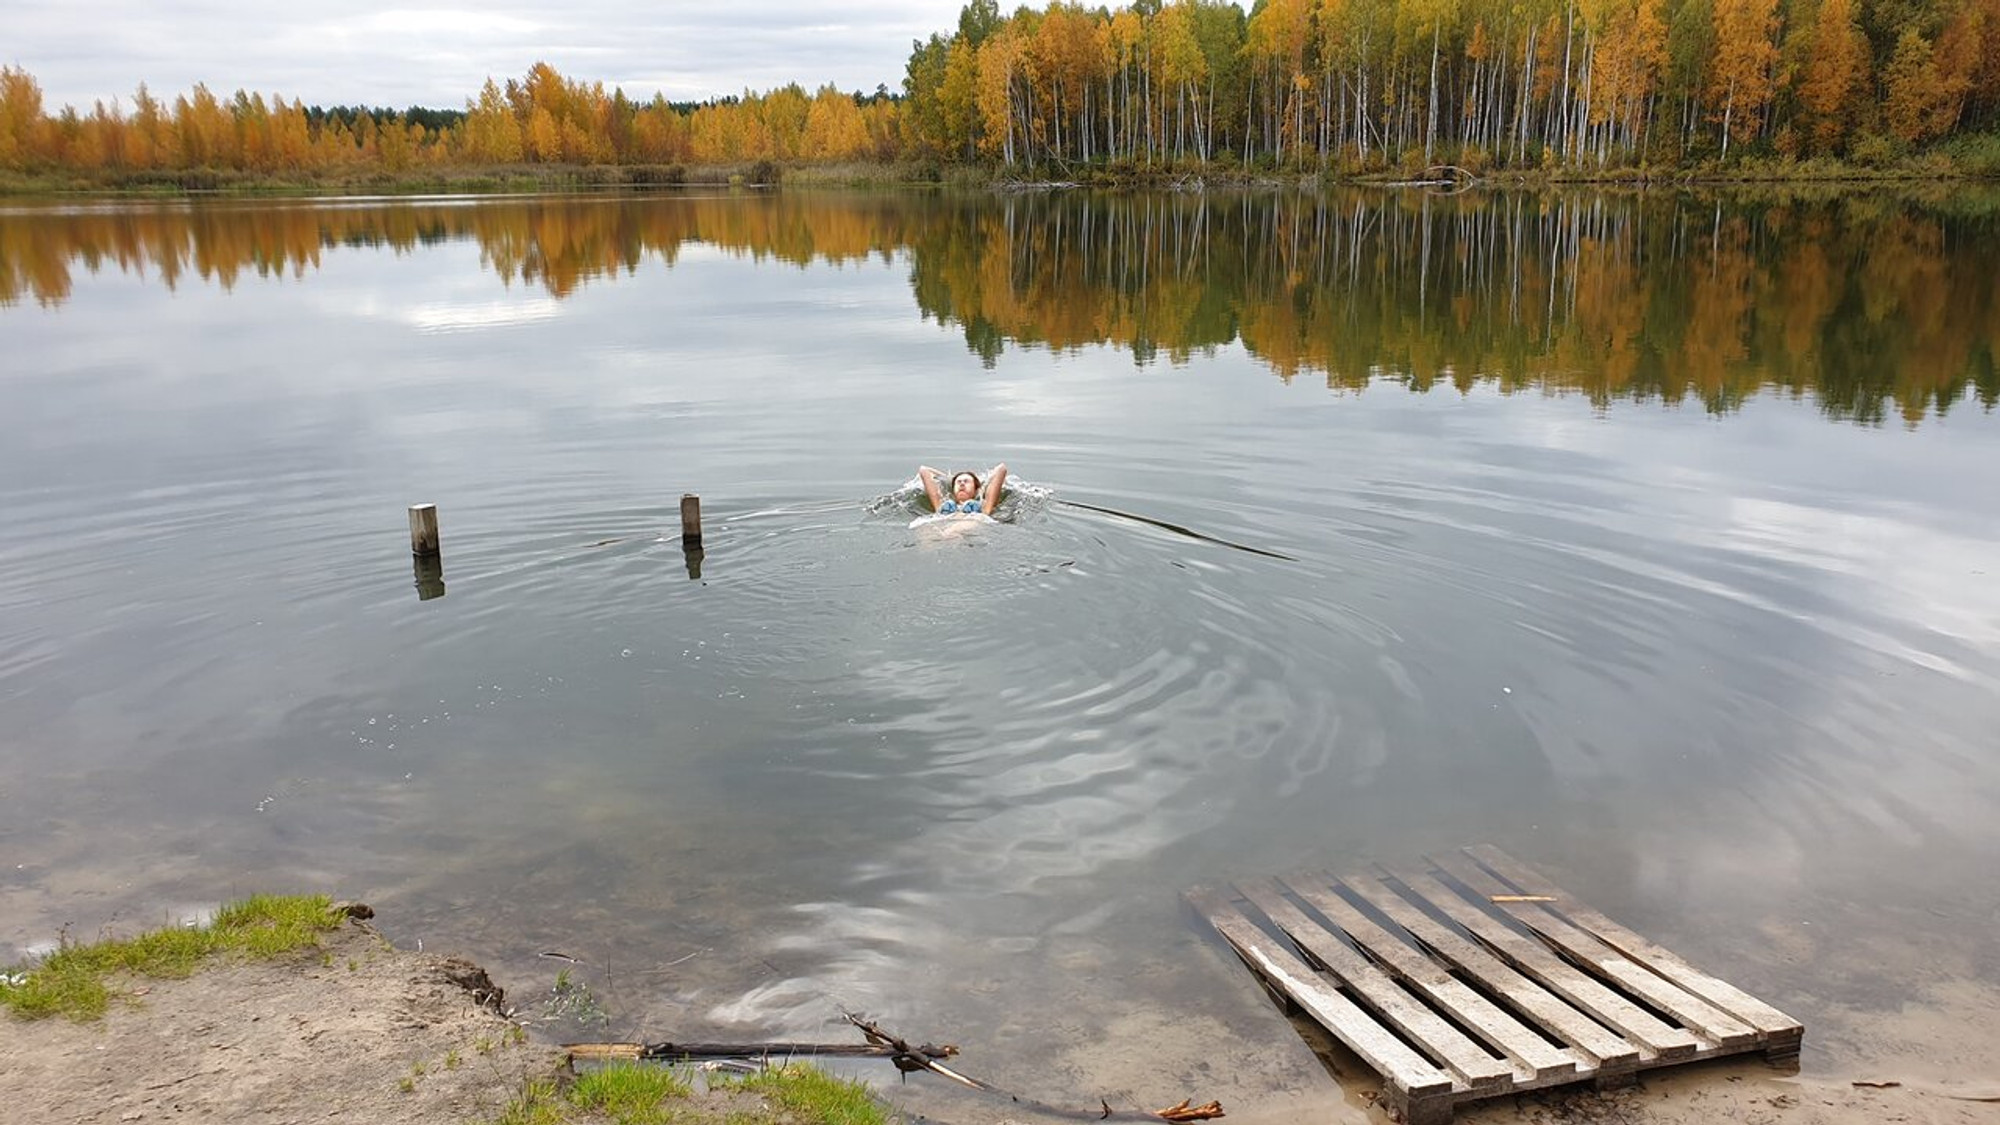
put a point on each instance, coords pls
(1477, 83)
(1314, 84)
(541, 118)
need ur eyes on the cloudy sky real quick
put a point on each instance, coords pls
(378, 52)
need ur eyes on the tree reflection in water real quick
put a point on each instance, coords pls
(1875, 305)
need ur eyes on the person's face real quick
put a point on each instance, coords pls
(964, 487)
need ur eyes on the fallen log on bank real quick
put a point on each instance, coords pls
(659, 1051)
(880, 1044)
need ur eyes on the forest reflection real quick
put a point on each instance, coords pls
(1878, 306)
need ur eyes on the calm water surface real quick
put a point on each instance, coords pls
(1654, 539)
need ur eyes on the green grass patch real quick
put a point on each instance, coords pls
(817, 1095)
(644, 1094)
(539, 1104)
(630, 1093)
(267, 925)
(72, 980)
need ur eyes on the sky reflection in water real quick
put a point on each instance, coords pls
(1674, 627)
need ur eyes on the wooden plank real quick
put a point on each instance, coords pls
(1535, 959)
(1531, 1000)
(1698, 1015)
(1775, 1025)
(1379, 992)
(1398, 1065)
(1416, 969)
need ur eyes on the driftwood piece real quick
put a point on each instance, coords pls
(745, 1050)
(881, 1044)
(1185, 1112)
(908, 1058)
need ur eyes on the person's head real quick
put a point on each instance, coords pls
(964, 485)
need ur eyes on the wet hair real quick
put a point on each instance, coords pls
(953, 482)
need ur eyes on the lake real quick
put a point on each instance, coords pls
(1651, 537)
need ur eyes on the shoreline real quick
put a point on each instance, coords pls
(352, 1028)
(764, 175)
(348, 1027)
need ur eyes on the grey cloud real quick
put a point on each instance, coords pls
(439, 54)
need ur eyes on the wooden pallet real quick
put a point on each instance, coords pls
(1473, 977)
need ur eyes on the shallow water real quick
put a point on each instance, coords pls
(1650, 538)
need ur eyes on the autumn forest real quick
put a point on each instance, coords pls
(1563, 86)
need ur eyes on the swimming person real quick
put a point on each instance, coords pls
(968, 496)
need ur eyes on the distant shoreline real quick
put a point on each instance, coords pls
(535, 178)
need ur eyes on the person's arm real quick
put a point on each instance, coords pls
(989, 502)
(930, 478)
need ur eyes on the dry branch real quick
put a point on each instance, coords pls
(747, 1050)
(881, 1044)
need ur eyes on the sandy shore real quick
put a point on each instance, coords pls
(327, 1034)
(357, 1030)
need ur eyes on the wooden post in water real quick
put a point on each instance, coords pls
(690, 522)
(424, 554)
(691, 534)
(424, 530)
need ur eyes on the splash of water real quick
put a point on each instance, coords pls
(1021, 501)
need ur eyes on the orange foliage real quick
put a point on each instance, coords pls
(1921, 102)
(1836, 72)
(543, 117)
(1741, 77)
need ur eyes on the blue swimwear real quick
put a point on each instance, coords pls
(970, 507)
